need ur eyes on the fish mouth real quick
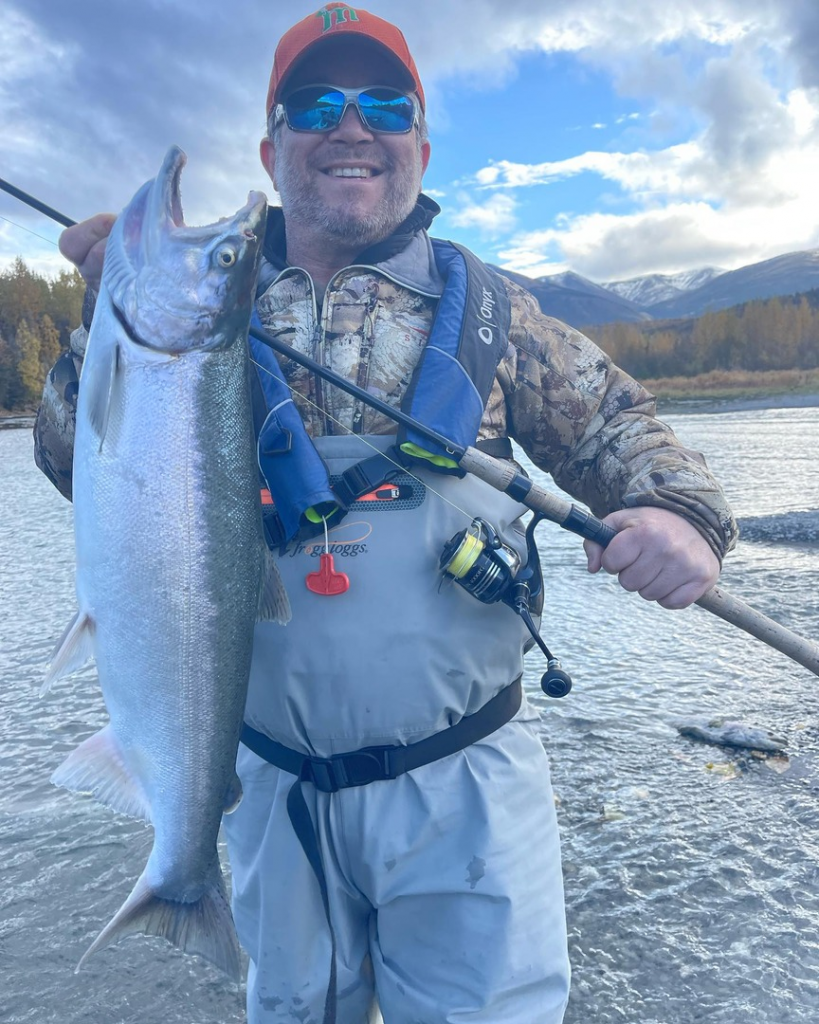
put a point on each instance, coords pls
(163, 210)
(171, 173)
(164, 214)
(162, 274)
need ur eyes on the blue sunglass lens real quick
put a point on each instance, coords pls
(386, 111)
(314, 109)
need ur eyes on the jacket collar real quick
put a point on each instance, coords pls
(406, 255)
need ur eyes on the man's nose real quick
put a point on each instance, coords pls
(351, 128)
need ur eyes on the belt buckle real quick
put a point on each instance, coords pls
(323, 774)
(370, 764)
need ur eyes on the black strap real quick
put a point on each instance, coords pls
(360, 768)
(365, 476)
(377, 764)
(497, 447)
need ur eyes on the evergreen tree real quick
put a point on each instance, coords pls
(49, 345)
(27, 343)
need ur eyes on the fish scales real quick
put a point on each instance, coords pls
(172, 569)
(182, 528)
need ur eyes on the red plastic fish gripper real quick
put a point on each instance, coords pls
(327, 581)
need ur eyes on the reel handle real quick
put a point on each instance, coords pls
(555, 682)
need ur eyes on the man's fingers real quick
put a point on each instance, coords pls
(84, 244)
(684, 596)
(623, 551)
(594, 555)
(77, 241)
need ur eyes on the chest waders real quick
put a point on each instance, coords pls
(307, 481)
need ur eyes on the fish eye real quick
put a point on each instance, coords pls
(226, 257)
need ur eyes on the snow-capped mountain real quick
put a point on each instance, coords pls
(783, 275)
(576, 300)
(650, 289)
(580, 302)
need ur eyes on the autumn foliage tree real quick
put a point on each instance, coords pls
(37, 315)
(773, 334)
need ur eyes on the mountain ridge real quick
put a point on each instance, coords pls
(577, 300)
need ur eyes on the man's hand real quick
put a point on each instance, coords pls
(84, 244)
(658, 554)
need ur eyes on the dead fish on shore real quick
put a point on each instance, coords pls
(723, 733)
(172, 568)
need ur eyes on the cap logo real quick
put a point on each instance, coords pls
(333, 16)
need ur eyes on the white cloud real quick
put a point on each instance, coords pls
(492, 217)
(742, 189)
(676, 237)
(92, 93)
(667, 171)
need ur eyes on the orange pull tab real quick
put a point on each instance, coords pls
(327, 581)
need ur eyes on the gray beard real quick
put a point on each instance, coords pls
(301, 202)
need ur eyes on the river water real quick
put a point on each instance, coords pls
(692, 873)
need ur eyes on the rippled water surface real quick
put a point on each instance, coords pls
(692, 874)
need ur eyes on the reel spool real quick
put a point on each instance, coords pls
(478, 560)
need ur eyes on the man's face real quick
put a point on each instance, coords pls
(306, 169)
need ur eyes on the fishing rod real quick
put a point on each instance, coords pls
(506, 477)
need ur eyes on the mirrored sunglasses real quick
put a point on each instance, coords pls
(320, 108)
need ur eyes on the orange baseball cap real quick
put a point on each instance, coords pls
(332, 22)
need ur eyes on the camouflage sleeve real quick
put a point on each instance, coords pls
(54, 425)
(594, 429)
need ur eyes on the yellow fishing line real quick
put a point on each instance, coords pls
(465, 557)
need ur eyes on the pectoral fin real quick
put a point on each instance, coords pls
(74, 648)
(103, 391)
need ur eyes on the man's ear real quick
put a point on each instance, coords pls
(426, 149)
(267, 152)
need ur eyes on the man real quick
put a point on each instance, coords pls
(436, 890)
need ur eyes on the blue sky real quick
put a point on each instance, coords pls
(609, 137)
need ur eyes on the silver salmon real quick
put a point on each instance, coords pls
(172, 569)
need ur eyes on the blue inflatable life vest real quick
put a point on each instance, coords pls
(448, 392)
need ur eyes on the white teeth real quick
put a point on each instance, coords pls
(350, 172)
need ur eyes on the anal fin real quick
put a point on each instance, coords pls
(98, 768)
(233, 797)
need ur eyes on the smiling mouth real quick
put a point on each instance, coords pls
(352, 172)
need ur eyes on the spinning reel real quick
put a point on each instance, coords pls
(489, 570)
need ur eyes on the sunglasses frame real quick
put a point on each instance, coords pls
(351, 97)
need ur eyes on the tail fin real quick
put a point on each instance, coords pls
(204, 927)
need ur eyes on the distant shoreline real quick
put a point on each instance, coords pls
(705, 403)
(13, 420)
(737, 391)
(676, 396)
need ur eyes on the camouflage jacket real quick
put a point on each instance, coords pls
(576, 415)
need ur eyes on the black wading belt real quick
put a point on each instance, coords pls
(361, 767)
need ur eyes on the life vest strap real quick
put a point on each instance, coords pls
(365, 476)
